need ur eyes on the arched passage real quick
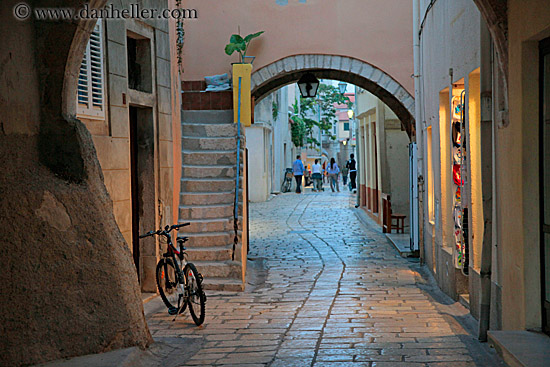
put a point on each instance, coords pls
(289, 70)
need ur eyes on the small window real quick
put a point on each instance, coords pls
(140, 75)
(90, 93)
(346, 126)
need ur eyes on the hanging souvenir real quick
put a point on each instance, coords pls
(457, 107)
(456, 174)
(457, 155)
(457, 216)
(456, 136)
(459, 249)
(457, 195)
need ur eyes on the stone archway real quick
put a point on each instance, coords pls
(289, 70)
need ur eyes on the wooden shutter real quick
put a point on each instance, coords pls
(91, 80)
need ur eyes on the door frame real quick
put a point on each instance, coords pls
(544, 50)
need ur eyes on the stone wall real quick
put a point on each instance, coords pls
(111, 135)
(447, 63)
(68, 283)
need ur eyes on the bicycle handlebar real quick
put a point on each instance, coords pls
(164, 231)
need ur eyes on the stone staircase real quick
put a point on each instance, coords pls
(209, 148)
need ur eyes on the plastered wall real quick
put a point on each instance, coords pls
(378, 32)
(517, 169)
(111, 136)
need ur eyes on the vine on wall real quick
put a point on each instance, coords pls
(180, 37)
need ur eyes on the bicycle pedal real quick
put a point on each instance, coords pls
(172, 311)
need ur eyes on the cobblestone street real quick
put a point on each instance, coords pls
(326, 290)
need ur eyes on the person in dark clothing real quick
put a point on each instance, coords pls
(352, 166)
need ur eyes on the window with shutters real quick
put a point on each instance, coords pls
(91, 89)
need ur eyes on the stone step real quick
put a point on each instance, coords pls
(212, 158)
(208, 212)
(464, 299)
(210, 253)
(207, 185)
(201, 143)
(209, 239)
(223, 284)
(205, 211)
(207, 116)
(521, 348)
(197, 198)
(208, 171)
(219, 269)
(208, 225)
(209, 130)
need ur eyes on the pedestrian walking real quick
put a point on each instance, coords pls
(317, 175)
(333, 171)
(345, 171)
(325, 172)
(352, 166)
(298, 171)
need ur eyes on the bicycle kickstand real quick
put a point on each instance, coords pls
(179, 311)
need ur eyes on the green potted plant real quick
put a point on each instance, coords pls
(240, 44)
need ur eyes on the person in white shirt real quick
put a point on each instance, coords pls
(317, 176)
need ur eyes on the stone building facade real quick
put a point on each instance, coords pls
(124, 97)
(480, 102)
(269, 144)
(382, 158)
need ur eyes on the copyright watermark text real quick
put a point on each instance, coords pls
(24, 11)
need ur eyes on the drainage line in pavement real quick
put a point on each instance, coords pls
(319, 340)
(316, 278)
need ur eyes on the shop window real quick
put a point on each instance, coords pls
(430, 178)
(460, 156)
(90, 88)
(140, 75)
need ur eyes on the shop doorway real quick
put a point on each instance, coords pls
(142, 181)
(545, 178)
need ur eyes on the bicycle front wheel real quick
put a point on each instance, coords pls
(196, 297)
(171, 292)
(283, 186)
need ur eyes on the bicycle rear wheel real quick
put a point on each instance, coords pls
(170, 291)
(285, 187)
(196, 297)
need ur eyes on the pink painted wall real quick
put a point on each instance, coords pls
(375, 31)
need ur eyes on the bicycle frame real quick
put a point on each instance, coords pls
(171, 253)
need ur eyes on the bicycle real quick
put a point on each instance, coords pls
(179, 287)
(287, 183)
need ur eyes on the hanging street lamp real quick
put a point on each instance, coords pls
(350, 114)
(342, 87)
(308, 85)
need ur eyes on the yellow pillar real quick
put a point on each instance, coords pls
(243, 71)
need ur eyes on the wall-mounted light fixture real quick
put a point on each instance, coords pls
(342, 87)
(308, 85)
